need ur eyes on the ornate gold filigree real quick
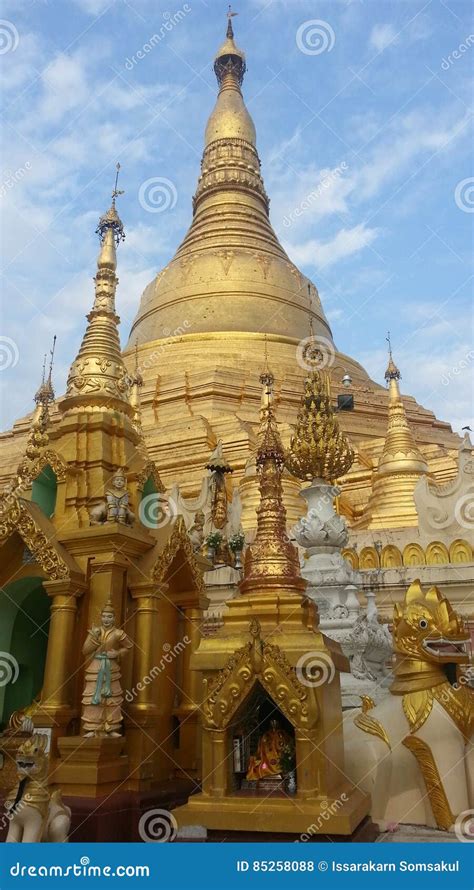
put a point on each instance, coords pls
(267, 663)
(179, 540)
(370, 724)
(417, 707)
(434, 785)
(318, 449)
(17, 518)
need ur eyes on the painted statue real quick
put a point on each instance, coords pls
(266, 762)
(413, 752)
(115, 507)
(35, 814)
(196, 532)
(103, 697)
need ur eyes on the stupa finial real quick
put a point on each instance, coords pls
(392, 372)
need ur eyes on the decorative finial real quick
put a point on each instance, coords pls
(45, 393)
(111, 219)
(51, 352)
(392, 372)
(116, 191)
(267, 380)
(230, 30)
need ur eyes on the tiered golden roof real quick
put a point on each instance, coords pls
(318, 449)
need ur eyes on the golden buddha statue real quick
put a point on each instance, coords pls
(267, 760)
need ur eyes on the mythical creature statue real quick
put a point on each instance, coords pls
(115, 507)
(413, 752)
(35, 814)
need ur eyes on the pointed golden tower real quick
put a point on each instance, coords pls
(271, 561)
(391, 504)
(97, 378)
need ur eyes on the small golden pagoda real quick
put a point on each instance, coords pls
(270, 675)
(400, 466)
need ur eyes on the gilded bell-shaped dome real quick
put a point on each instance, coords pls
(230, 272)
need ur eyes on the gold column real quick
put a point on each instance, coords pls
(308, 773)
(220, 763)
(57, 697)
(191, 683)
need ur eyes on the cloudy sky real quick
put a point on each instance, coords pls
(366, 103)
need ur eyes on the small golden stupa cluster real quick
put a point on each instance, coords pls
(318, 449)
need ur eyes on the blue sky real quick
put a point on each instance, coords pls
(372, 100)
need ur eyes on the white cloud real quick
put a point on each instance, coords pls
(382, 36)
(345, 243)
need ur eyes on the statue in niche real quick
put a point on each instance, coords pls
(103, 696)
(115, 507)
(266, 762)
(196, 532)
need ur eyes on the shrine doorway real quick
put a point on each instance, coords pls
(262, 744)
(24, 626)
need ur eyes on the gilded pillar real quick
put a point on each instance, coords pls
(57, 695)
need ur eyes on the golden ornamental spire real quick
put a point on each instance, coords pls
(271, 561)
(98, 378)
(318, 449)
(400, 466)
(136, 383)
(400, 452)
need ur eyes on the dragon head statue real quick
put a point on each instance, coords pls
(31, 760)
(427, 628)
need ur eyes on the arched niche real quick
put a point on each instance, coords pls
(437, 554)
(391, 557)
(351, 557)
(414, 555)
(24, 625)
(460, 551)
(368, 558)
(44, 490)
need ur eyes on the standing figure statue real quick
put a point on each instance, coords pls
(103, 696)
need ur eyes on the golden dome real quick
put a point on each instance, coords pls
(230, 272)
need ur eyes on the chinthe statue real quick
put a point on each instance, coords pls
(103, 696)
(115, 508)
(267, 760)
(35, 814)
(413, 751)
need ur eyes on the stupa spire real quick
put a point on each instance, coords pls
(400, 466)
(271, 561)
(97, 378)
